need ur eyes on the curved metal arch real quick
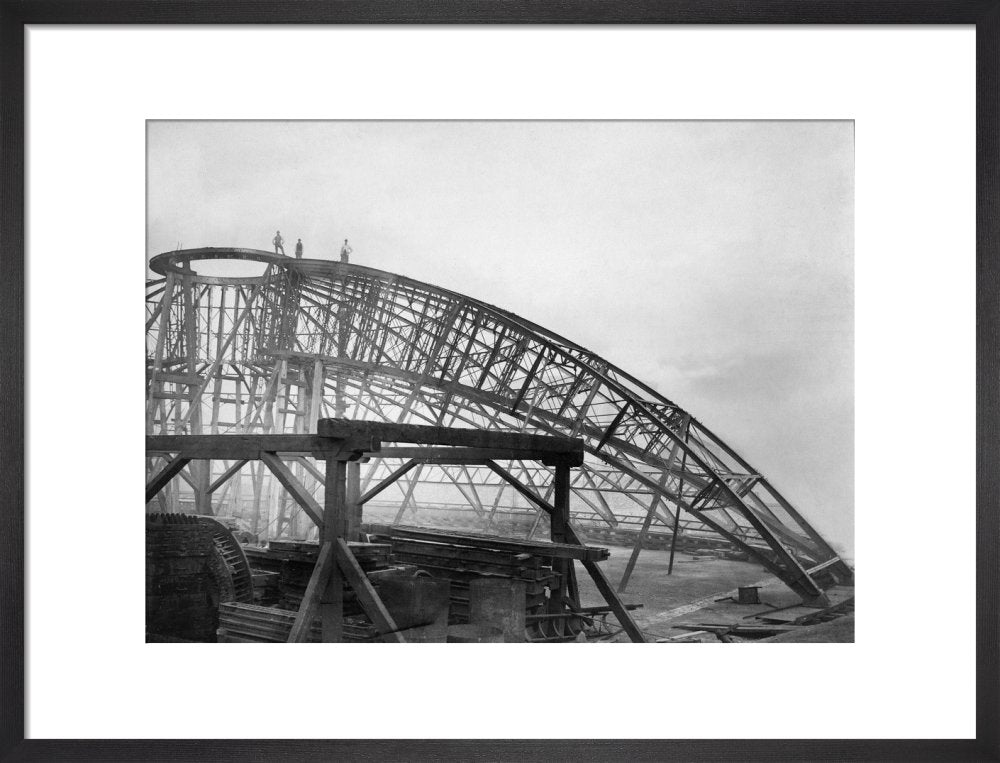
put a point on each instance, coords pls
(381, 331)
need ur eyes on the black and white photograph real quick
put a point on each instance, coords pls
(500, 381)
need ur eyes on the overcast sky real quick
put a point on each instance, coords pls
(711, 260)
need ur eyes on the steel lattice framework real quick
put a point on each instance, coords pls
(311, 339)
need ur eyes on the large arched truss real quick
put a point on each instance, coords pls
(312, 339)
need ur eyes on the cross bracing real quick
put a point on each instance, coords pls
(314, 339)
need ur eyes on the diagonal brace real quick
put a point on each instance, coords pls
(293, 486)
(314, 591)
(367, 596)
(388, 481)
(167, 473)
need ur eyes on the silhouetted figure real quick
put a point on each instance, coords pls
(298, 249)
(345, 252)
(278, 242)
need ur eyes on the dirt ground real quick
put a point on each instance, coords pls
(688, 595)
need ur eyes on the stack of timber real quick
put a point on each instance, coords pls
(462, 558)
(251, 624)
(292, 563)
(182, 595)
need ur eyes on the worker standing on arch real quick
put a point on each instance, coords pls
(345, 251)
(298, 250)
(278, 242)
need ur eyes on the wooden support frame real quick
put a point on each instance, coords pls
(341, 444)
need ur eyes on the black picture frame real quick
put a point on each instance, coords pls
(15, 14)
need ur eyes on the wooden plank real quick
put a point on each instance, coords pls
(295, 488)
(571, 550)
(164, 376)
(167, 473)
(417, 434)
(249, 446)
(367, 595)
(314, 592)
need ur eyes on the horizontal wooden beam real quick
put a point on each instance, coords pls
(250, 446)
(428, 435)
(465, 455)
(510, 545)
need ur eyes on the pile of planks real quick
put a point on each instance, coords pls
(251, 624)
(462, 558)
(292, 563)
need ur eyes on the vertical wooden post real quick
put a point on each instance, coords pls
(559, 526)
(202, 478)
(334, 512)
(315, 396)
(352, 524)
